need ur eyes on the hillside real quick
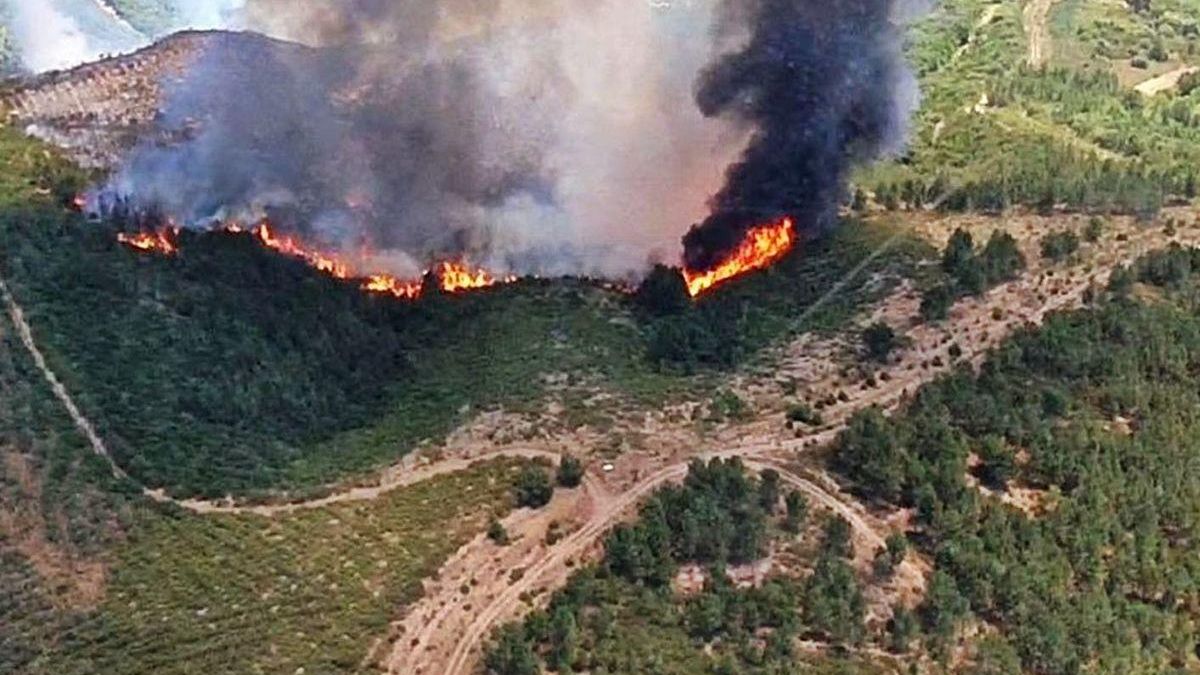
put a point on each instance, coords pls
(955, 434)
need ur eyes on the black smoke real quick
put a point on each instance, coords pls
(825, 86)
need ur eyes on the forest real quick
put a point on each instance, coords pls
(623, 615)
(1092, 420)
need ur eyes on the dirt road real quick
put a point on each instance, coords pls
(977, 334)
(1037, 27)
(1165, 82)
(450, 640)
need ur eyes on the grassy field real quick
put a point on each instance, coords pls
(314, 590)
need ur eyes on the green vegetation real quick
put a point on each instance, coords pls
(227, 369)
(1094, 417)
(208, 594)
(621, 615)
(60, 511)
(152, 17)
(993, 132)
(968, 272)
(570, 472)
(1058, 246)
(533, 488)
(880, 340)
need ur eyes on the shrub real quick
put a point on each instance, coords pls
(533, 488)
(880, 341)
(496, 532)
(1058, 246)
(663, 292)
(570, 472)
(935, 305)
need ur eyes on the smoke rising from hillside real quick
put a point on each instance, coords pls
(539, 136)
(824, 86)
(545, 136)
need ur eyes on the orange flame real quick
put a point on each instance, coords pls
(291, 246)
(150, 241)
(386, 283)
(761, 247)
(453, 277)
(456, 276)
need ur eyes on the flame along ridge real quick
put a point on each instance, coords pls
(762, 247)
(452, 277)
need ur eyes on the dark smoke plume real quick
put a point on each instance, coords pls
(824, 85)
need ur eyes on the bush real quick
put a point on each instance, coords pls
(880, 341)
(663, 292)
(1058, 246)
(803, 413)
(533, 489)
(497, 533)
(935, 305)
(570, 472)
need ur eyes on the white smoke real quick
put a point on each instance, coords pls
(208, 14)
(59, 34)
(47, 38)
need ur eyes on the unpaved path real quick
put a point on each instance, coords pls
(60, 392)
(1026, 301)
(1165, 82)
(1037, 27)
(402, 475)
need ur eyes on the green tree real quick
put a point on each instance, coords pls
(663, 292)
(496, 532)
(564, 639)
(533, 488)
(1001, 259)
(768, 490)
(902, 629)
(1058, 246)
(797, 511)
(880, 341)
(959, 253)
(833, 602)
(570, 472)
(511, 654)
(936, 303)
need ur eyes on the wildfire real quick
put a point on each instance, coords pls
(762, 246)
(453, 277)
(150, 241)
(290, 246)
(386, 283)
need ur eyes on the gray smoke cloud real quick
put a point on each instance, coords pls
(544, 136)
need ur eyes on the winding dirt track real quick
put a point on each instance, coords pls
(1027, 301)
